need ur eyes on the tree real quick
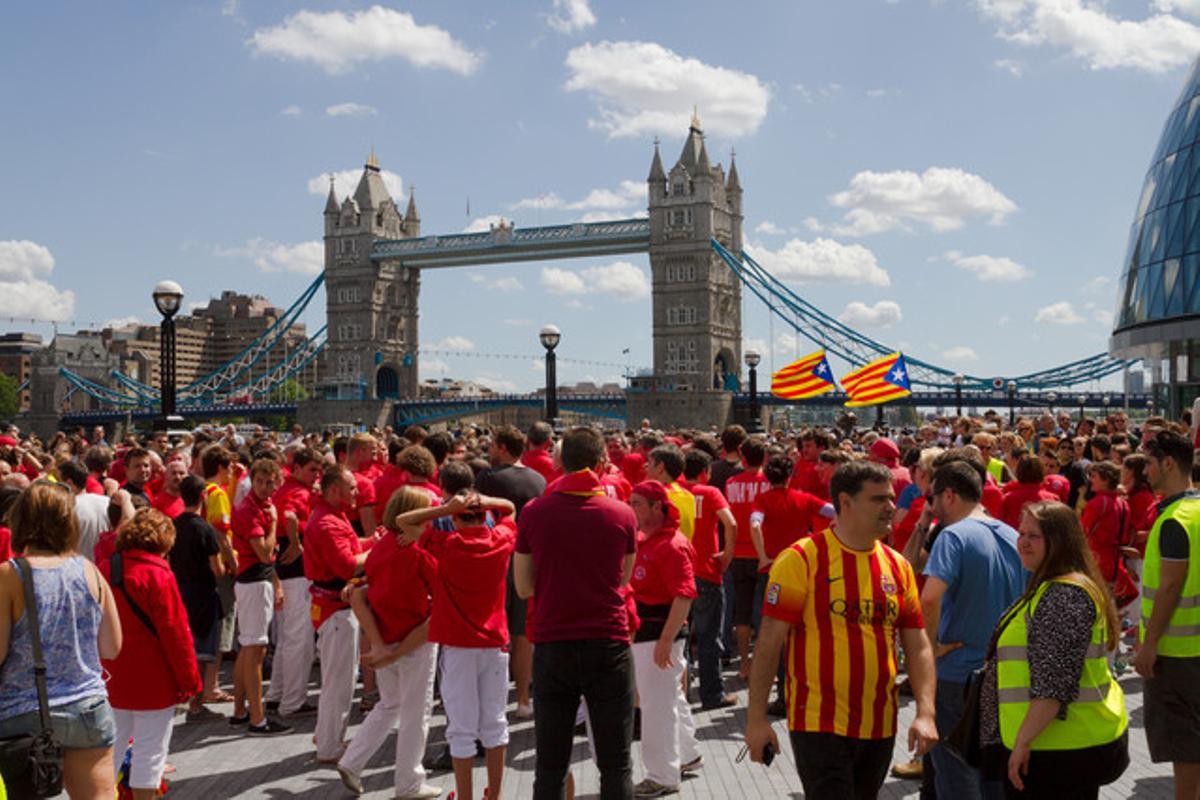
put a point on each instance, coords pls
(10, 398)
(290, 391)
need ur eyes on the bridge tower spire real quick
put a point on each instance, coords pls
(370, 308)
(696, 298)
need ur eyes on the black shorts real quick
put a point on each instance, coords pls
(744, 572)
(1172, 709)
(514, 608)
(836, 767)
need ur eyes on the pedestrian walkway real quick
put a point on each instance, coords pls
(215, 761)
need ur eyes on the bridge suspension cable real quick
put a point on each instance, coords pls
(857, 348)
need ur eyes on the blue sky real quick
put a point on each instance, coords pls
(955, 178)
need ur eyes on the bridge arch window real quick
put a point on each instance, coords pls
(677, 189)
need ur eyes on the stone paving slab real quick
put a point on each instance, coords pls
(215, 761)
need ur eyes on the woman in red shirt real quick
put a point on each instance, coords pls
(1106, 520)
(393, 610)
(664, 586)
(1026, 489)
(156, 668)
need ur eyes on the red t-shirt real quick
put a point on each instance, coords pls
(250, 521)
(806, 478)
(1017, 496)
(706, 541)
(741, 490)
(616, 486)
(468, 596)
(579, 543)
(171, 506)
(400, 581)
(787, 515)
(366, 494)
(94, 484)
(663, 570)
(329, 557)
(540, 460)
(293, 496)
(391, 479)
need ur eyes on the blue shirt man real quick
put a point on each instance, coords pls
(972, 576)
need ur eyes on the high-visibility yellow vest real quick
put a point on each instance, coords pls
(1096, 717)
(1181, 639)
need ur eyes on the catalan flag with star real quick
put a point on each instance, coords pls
(881, 381)
(805, 377)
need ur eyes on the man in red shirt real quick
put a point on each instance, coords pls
(137, 472)
(294, 649)
(714, 552)
(360, 458)
(168, 500)
(258, 593)
(333, 555)
(806, 476)
(884, 451)
(741, 490)
(468, 620)
(575, 553)
(536, 456)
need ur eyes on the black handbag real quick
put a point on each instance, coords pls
(32, 763)
(963, 740)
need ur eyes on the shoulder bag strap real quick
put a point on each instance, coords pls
(35, 637)
(117, 571)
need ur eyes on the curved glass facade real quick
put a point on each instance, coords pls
(1160, 276)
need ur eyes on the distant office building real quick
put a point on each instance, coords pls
(16, 361)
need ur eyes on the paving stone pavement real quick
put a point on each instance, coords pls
(214, 761)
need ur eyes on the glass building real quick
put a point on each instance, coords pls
(1158, 304)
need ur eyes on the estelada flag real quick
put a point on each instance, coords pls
(880, 381)
(805, 377)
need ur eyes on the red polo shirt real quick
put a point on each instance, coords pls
(787, 515)
(468, 596)
(400, 581)
(663, 570)
(706, 541)
(741, 491)
(250, 521)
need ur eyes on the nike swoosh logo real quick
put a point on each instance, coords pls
(833, 579)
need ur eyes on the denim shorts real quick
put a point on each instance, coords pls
(83, 725)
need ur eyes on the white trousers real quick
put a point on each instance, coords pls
(668, 732)
(474, 692)
(337, 642)
(151, 734)
(294, 647)
(405, 703)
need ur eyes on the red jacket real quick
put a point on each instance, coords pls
(154, 670)
(1017, 496)
(1106, 520)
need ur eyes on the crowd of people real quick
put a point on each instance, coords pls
(1010, 573)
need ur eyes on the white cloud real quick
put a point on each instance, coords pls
(769, 228)
(346, 181)
(880, 315)
(1091, 33)
(990, 269)
(306, 258)
(125, 322)
(292, 111)
(1100, 283)
(810, 95)
(642, 88)
(456, 344)
(940, 198)
(1060, 313)
(627, 195)
(432, 368)
(508, 284)
(22, 260)
(496, 383)
(350, 110)
(1011, 66)
(960, 354)
(821, 260)
(24, 293)
(338, 41)
(1102, 316)
(621, 279)
(571, 16)
(483, 224)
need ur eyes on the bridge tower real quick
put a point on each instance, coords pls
(697, 300)
(371, 308)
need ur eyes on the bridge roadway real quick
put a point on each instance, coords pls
(213, 761)
(408, 412)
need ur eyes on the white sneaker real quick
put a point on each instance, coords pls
(524, 711)
(422, 792)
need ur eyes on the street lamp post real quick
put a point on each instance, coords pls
(1050, 398)
(1012, 403)
(168, 296)
(549, 337)
(1082, 405)
(958, 382)
(752, 361)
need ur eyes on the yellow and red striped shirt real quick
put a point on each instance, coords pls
(845, 607)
